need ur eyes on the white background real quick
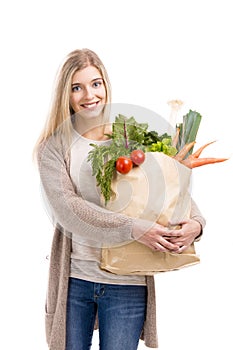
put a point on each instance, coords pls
(154, 51)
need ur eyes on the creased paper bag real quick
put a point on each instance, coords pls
(158, 191)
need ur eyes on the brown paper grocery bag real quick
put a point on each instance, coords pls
(158, 191)
(137, 259)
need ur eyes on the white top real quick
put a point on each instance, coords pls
(86, 255)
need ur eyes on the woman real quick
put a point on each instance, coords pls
(79, 292)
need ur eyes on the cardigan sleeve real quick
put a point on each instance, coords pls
(197, 215)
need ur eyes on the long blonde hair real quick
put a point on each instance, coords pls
(59, 118)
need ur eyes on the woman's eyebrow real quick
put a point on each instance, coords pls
(77, 83)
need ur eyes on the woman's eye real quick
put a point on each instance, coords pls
(96, 84)
(76, 88)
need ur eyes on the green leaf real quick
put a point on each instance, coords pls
(135, 131)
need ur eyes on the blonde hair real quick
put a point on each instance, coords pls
(59, 118)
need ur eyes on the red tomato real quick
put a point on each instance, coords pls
(137, 156)
(124, 165)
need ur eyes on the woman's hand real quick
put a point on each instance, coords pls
(185, 236)
(159, 238)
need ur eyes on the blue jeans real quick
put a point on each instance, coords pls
(121, 313)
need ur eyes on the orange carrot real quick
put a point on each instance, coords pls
(182, 153)
(193, 162)
(198, 152)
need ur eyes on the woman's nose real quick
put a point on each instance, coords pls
(89, 93)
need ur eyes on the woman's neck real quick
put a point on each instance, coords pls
(93, 130)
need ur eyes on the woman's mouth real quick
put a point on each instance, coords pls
(91, 105)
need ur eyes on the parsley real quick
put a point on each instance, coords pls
(103, 159)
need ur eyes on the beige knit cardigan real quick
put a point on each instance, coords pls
(58, 188)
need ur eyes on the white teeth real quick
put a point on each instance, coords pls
(89, 105)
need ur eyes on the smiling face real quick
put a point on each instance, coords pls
(88, 93)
